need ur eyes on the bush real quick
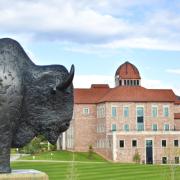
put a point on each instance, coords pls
(37, 145)
(90, 152)
(53, 147)
(137, 157)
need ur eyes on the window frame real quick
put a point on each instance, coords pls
(156, 127)
(132, 143)
(163, 160)
(164, 128)
(140, 106)
(175, 162)
(123, 143)
(126, 130)
(112, 127)
(166, 106)
(84, 112)
(112, 112)
(124, 116)
(152, 114)
(177, 143)
(162, 143)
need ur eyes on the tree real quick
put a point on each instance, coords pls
(137, 157)
(35, 146)
(72, 175)
(171, 152)
(90, 152)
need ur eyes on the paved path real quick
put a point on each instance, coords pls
(15, 157)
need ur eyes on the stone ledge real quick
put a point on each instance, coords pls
(24, 174)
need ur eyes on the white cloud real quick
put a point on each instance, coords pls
(158, 84)
(173, 71)
(85, 81)
(98, 24)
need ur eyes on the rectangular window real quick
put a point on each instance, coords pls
(166, 127)
(164, 160)
(113, 127)
(176, 143)
(163, 143)
(140, 127)
(100, 111)
(140, 111)
(154, 127)
(114, 111)
(121, 143)
(154, 111)
(140, 118)
(126, 127)
(166, 111)
(126, 112)
(134, 143)
(85, 111)
(176, 160)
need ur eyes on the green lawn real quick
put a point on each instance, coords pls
(92, 170)
(100, 171)
(65, 156)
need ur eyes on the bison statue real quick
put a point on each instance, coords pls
(34, 100)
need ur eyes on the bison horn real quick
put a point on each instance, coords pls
(68, 81)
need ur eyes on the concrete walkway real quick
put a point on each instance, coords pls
(15, 157)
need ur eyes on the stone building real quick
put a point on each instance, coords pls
(126, 120)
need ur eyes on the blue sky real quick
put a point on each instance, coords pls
(99, 35)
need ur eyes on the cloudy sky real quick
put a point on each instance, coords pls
(99, 35)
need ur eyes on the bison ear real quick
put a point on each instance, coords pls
(65, 84)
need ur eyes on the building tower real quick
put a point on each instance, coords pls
(127, 75)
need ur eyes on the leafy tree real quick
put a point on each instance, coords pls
(90, 152)
(37, 145)
(137, 157)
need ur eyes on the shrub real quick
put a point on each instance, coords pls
(137, 157)
(90, 152)
(37, 145)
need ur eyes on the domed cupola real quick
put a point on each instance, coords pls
(127, 75)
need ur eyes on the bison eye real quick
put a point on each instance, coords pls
(53, 91)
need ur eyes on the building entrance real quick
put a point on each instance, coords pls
(149, 152)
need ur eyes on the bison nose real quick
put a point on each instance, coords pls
(67, 124)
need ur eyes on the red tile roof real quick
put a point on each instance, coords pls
(90, 96)
(123, 94)
(177, 116)
(139, 94)
(128, 71)
(177, 100)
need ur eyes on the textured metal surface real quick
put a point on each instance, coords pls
(30, 103)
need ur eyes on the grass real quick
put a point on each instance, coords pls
(92, 170)
(65, 156)
(101, 171)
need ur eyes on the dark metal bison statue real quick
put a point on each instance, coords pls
(34, 100)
